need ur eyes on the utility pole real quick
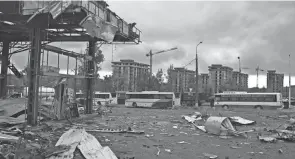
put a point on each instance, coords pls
(197, 77)
(289, 80)
(239, 75)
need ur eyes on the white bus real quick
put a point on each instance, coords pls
(151, 99)
(102, 98)
(250, 100)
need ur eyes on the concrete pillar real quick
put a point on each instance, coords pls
(89, 80)
(33, 76)
(4, 68)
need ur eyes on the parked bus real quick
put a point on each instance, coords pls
(250, 100)
(150, 99)
(102, 98)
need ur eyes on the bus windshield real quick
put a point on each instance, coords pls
(149, 96)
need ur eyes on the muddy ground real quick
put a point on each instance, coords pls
(157, 122)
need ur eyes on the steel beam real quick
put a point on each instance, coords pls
(89, 81)
(4, 67)
(33, 76)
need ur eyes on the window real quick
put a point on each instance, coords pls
(103, 96)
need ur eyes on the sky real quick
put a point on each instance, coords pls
(260, 33)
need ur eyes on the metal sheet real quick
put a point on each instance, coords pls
(218, 125)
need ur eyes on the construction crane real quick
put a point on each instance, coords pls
(151, 54)
(257, 69)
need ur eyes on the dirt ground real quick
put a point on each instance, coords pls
(160, 135)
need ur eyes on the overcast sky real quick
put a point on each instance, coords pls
(261, 33)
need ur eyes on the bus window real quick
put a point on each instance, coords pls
(103, 96)
(166, 96)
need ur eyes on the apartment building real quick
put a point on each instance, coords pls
(182, 79)
(127, 73)
(275, 81)
(204, 83)
(240, 80)
(219, 76)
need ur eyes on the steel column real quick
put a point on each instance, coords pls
(4, 67)
(33, 76)
(89, 81)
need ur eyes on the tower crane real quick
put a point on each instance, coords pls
(151, 54)
(257, 69)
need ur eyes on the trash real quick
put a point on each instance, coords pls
(175, 126)
(183, 142)
(236, 120)
(267, 139)
(280, 151)
(211, 156)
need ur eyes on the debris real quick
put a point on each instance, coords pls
(183, 142)
(235, 147)
(280, 151)
(175, 126)
(211, 156)
(8, 138)
(201, 128)
(147, 135)
(86, 143)
(267, 139)
(117, 131)
(241, 121)
(158, 153)
(221, 126)
(168, 150)
(183, 133)
(176, 121)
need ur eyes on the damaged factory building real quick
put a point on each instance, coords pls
(36, 27)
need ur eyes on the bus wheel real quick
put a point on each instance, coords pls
(98, 103)
(134, 104)
(258, 107)
(225, 107)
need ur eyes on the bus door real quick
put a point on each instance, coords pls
(177, 99)
(114, 98)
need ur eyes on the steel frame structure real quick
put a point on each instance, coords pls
(38, 31)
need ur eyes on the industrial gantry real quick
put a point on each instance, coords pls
(31, 25)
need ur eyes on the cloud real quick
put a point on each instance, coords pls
(261, 33)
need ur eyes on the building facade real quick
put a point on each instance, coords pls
(204, 83)
(127, 73)
(275, 81)
(240, 80)
(183, 80)
(220, 77)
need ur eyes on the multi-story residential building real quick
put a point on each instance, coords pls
(126, 74)
(204, 83)
(240, 80)
(182, 79)
(275, 81)
(219, 76)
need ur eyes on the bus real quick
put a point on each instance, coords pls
(102, 98)
(250, 100)
(150, 99)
